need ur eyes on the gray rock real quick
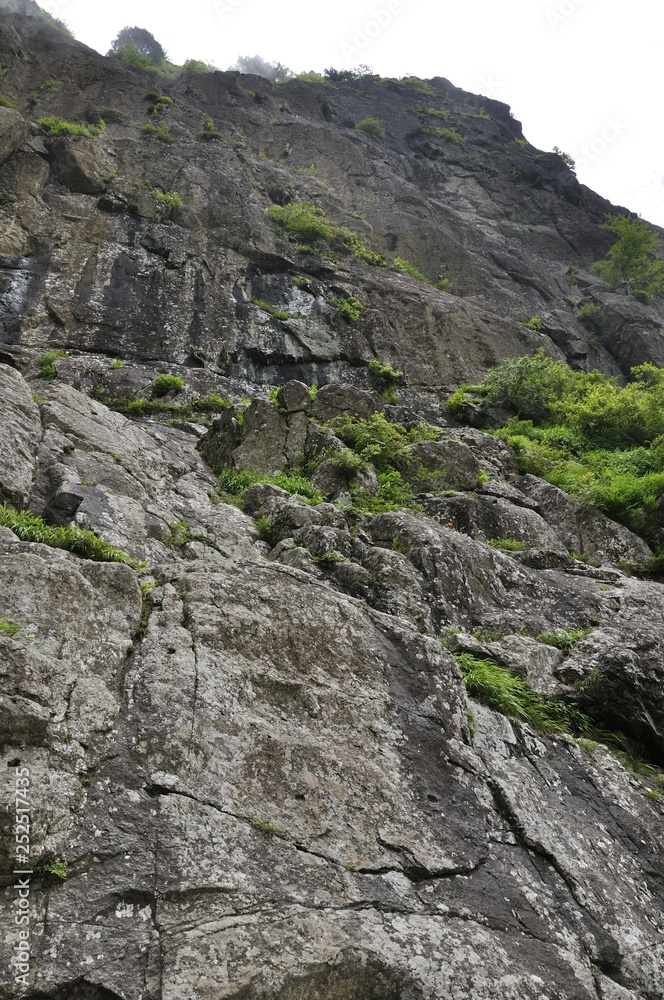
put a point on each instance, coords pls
(582, 529)
(81, 165)
(20, 434)
(438, 465)
(337, 400)
(13, 132)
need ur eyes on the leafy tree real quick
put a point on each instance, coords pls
(140, 40)
(275, 72)
(629, 265)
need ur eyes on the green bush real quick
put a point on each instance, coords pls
(630, 266)
(163, 384)
(55, 126)
(404, 267)
(370, 127)
(349, 307)
(157, 101)
(30, 528)
(195, 67)
(46, 362)
(451, 134)
(600, 442)
(160, 132)
(210, 131)
(534, 323)
(235, 483)
(171, 199)
(589, 311)
(564, 638)
(5, 102)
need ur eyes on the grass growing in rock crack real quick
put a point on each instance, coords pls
(494, 686)
(234, 483)
(308, 224)
(31, 528)
(562, 638)
(46, 362)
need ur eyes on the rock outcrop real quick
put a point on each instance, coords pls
(255, 770)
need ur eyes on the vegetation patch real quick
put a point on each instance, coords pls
(160, 132)
(31, 528)
(308, 224)
(507, 544)
(54, 126)
(46, 362)
(163, 384)
(371, 127)
(563, 638)
(494, 686)
(598, 441)
(349, 307)
(630, 266)
(450, 134)
(234, 483)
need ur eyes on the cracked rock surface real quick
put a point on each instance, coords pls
(266, 779)
(255, 770)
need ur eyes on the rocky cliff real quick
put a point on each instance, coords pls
(242, 729)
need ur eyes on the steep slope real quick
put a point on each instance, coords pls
(92, 260)
(251, 764)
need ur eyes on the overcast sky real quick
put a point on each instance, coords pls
(583, 75)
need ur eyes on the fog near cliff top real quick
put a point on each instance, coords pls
(580, 74)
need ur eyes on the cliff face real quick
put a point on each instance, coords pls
(251, 756)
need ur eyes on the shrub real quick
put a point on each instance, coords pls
(450, 134)
(157, 101)
(163, 384)
(534, 323)
(563, 638)
(629, 265)
(195, 67)
(387, 378)
(46, 362)
(30, 528)
(112, 116)
(370, 127)
(421, 87)
(160, 132)
(433, 112)
(55, 126)
(530, 385)
(210, 131)
(266, 530)
(565, 157)
(404, 267)
(5, 102)
(349, 307)
(444, 285)
(171, 199)
(588, 312)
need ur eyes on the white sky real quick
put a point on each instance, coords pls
(583, 75)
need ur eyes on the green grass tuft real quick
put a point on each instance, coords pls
(31, 528)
